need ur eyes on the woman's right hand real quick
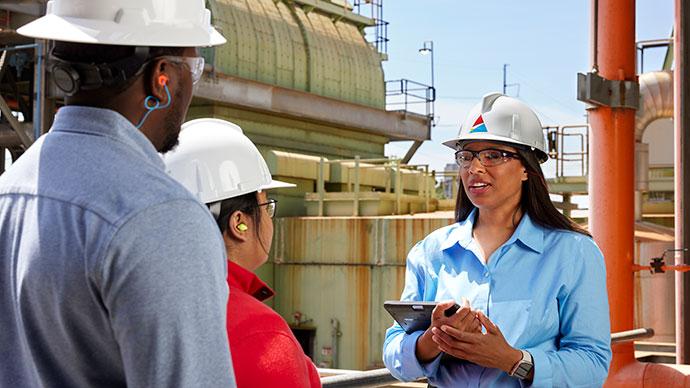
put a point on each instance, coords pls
(464, 319)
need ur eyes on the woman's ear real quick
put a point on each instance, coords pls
(525, 174)
(238, 226)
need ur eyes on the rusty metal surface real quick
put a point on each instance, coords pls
(344, 268)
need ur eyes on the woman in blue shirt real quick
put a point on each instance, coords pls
(532, 282)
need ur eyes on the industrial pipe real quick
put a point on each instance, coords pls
(631, 335)
(612, 147)
(612, 185)
(682, 174)
(372, 378)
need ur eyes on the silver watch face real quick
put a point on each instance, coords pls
(523, 370)
(525, 366)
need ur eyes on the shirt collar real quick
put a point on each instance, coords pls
(528, 233)
(105, 122)
(462, 233)
(248, 282)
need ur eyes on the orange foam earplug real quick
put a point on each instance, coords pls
(163, 80)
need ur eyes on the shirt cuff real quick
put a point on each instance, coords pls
(543, 374)
(409, 351)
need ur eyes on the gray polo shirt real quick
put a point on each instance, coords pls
(111, 273)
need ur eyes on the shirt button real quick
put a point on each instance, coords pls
(486, 274)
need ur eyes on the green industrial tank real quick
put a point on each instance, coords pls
(313, 46)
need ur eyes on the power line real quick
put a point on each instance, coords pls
(543, 93)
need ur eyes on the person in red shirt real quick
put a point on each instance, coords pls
(224, 168)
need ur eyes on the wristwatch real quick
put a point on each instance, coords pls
(523, 367)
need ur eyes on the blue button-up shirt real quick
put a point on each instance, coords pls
(111, 273)
(544, 288)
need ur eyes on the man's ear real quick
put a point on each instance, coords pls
(161, 75)
(238, 226)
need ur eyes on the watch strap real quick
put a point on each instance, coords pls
(523, 367)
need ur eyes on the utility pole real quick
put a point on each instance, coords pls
(506, 85)
(505, 77)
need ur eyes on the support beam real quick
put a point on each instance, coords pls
(410, 153)
(682, 175)
(256, 96)
(15, 124)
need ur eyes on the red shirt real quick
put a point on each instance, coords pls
(265, 353)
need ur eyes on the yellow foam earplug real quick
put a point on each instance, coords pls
(242, 227)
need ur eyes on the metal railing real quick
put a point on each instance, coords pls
(557, 137)
(631, 335)
(390, 165)
(378, 377)
(405, 94)
(371, 378)
(651, 44)
(373, 9)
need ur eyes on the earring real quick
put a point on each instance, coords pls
(242, 227)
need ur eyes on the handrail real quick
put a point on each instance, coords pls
(557, 135)
(381, 376)
(424, 189)
(631, 335)
(371, 378)
(410, 93)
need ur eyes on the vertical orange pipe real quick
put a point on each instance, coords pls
(611, 186)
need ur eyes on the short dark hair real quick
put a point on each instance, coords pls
(98, 53)
(130, 60)
(535, 200)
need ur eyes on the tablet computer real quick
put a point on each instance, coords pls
(414, 316)
(411, 316)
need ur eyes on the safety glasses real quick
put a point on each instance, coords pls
(488, 157)
(271, 206)
(195, 65)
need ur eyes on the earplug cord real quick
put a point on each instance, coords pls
(156, 105)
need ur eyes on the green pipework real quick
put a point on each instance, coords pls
(274, 132)
(277, 42)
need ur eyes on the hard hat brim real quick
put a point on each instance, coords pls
(277, 185)
(77, 30)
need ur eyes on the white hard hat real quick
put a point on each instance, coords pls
(501, 118)
(215, 161)
(176, 23)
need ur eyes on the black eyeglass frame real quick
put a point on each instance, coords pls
(271, 207)
(505, 155)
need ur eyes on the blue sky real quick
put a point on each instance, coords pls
(546, 43)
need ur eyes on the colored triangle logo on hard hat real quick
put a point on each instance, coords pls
(479, 125)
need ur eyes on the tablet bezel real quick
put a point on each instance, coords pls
(411, 315)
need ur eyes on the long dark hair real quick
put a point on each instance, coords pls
(534, 201)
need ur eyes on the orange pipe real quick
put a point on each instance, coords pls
(612, 148)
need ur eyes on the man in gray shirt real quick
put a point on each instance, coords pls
(111, 273)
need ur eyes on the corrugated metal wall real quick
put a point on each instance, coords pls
(343, 268)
